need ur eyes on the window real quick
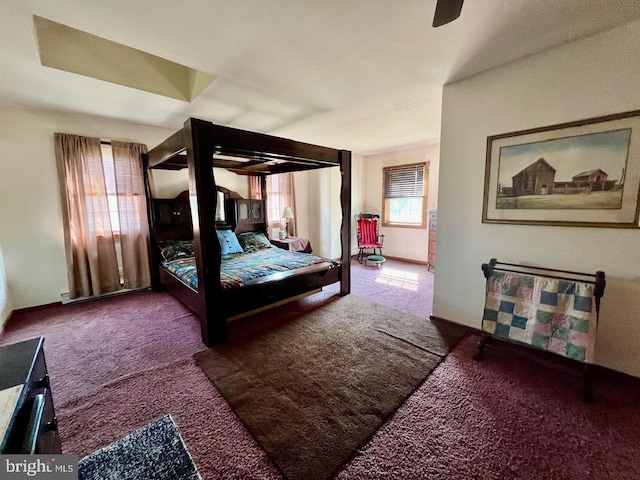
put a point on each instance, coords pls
(109, 169)
(404, 195)
(280, 195)
(275, 201)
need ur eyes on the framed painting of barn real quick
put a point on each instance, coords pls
(584, 174)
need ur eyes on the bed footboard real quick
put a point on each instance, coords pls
(256, 295)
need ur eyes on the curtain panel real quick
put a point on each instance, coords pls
(255, 189)
(132, 210)
(106, 227)
(280, 194)
(91, 253)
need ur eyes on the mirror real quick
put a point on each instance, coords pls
(220, 216)
(243, 209)
(257, 211)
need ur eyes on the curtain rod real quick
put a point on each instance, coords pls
(593, 282)
(542, 268)
(599, 277)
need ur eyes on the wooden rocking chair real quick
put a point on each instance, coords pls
(368, 233)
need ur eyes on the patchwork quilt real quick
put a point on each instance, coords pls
(240, 268)
(546, 313)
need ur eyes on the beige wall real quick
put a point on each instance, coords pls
(321, 204)
(319, 210)
(407, 243)
(358, 189)
(301, 189)
(589, 78)
(31, 232)
(170, 183)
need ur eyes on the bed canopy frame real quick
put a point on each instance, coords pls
(201, 145)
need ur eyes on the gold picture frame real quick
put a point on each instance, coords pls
(583, 174)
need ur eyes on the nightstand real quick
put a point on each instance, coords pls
(295, 244)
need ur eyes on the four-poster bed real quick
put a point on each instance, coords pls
(200, 146)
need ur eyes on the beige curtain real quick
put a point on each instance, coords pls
(255, 190)
(132, 210)
(91, 252)
(280, 194)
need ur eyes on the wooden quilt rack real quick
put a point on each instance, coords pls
(597, 279)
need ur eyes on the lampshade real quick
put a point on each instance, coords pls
(287, 213)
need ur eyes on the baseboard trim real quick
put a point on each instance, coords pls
(27, 309)
(35, 308)
(466, 328)
(501, 343)
(405, 260)
(66, 300)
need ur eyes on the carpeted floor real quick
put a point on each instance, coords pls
(120, 363)
(310, 388)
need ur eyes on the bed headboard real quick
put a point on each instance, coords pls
(247, 215)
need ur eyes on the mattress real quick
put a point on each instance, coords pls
(240, 268)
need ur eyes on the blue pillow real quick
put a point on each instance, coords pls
(228, 242)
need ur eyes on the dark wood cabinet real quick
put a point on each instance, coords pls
(173, 215)
(245, 210)
(31, 424)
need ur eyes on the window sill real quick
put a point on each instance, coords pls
(404, 225)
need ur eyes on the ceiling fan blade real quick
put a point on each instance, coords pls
(447, 11)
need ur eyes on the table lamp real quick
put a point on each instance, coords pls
(287, 214)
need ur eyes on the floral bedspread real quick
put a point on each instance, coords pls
(239, 268)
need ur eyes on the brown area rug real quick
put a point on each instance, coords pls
(313, 388)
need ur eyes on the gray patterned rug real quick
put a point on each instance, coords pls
(155, 451)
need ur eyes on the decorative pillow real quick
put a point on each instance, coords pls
(228, 242)
(253, 241)
(175, 249)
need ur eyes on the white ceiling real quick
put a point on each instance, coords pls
(364, 75)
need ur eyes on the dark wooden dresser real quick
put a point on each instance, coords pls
(28, 415)
(433, 225)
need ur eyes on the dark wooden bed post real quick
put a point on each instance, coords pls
(263, 197)
(199, 141)
(345, 228)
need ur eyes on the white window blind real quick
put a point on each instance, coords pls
(404, 181)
